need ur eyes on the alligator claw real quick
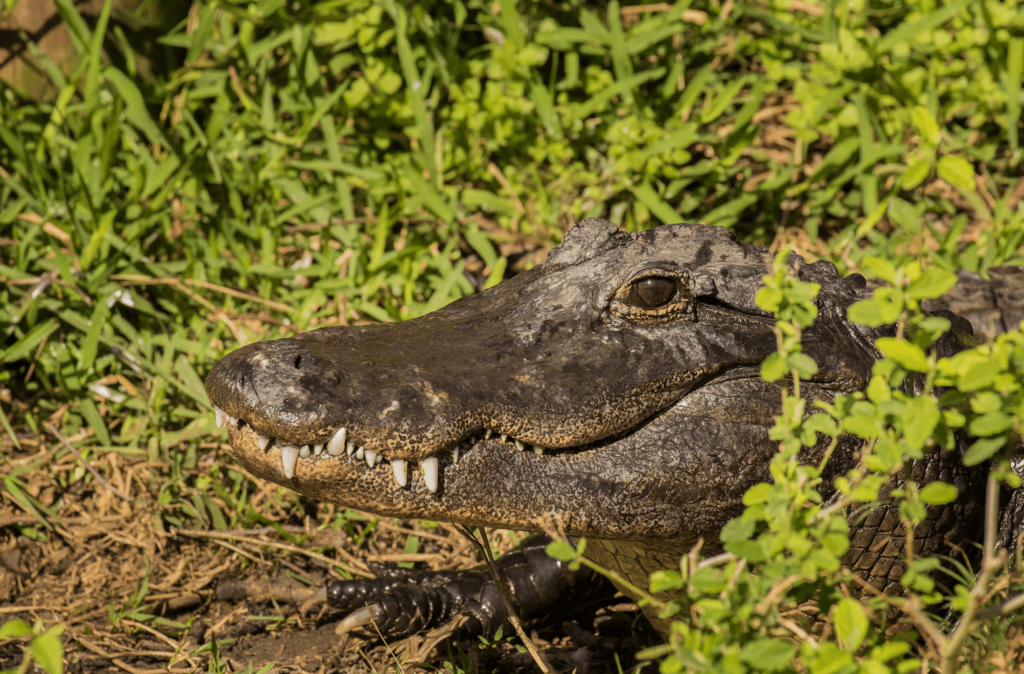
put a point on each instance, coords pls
(356, 619)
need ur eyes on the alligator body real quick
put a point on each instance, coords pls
(611, 393)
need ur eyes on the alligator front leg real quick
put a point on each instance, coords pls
(400, 602)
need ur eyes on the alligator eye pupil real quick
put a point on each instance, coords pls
(653, 292)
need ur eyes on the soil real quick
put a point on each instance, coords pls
(134, 595)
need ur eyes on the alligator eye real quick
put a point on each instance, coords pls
(652, 292)
(654, 296)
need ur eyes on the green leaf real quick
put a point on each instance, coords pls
(767, 654)
(715, 109)
(983, 450)
(956, 171)
(561, 551)
(1012, 83)
(92, 338)
(737, 529)
(876, 311)
(980, 374)
(905, 353)
(990, 424)
(482, 245)
(135, 106)
(93, 418)
(663, 581)
(851, 624)
(803, 364)
(95, 239)
(905, 215)
(879, 267)
(26, 346)
(932, 283)
(862, 427)
(730, 209)
(926, 124)
(497, 274)
(938, 493)
(655, 204)
(759, 493)
(774, 367)
(546, 110)
(915, 174)
(416, 91)
(12, 629)
(432, 199)
(48, 651)
(920, 416)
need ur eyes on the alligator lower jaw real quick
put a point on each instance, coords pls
(293, 460)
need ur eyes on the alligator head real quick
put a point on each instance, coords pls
(612, 392)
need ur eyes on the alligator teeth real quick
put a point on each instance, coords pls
(519, 445)
(304, 452)
(232, 420)
(317, 449)
(401, 474)
(264, 441)
(289, 457)
(380, 457)
(350, 447)
(537, 449)
(371, 457)
(219, 417)
(360, 453)
(429, 467)
(488, 434)
(336, 443)
(504, 438)
(455, 455)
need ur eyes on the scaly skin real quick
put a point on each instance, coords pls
(633, 359)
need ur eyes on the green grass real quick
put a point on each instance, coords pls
(312, 164)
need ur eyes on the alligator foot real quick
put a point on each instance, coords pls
(400, 602)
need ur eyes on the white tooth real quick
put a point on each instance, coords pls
(538, 450)
(455, 455)
(429, 467)
(519, 445)
(371, 457)
(264, 441)
(504, 438)
(380, 457)
(401, 475)
(317, 449)
(289, 457)
(350, 447)
(359, 453)
(304, 452)
(336, 444)
(487, 435)
(233, 420)
(219, 417)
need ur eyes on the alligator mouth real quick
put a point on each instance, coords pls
(345, 447)
(292, 457)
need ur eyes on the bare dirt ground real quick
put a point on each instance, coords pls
(134, 596)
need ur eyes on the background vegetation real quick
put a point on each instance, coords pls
(314, 164)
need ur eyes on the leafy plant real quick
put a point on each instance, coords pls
(43, 648)
(324, 163)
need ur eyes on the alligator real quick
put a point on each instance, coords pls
(611, 393)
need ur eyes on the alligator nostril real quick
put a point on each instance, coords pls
(298, 359)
